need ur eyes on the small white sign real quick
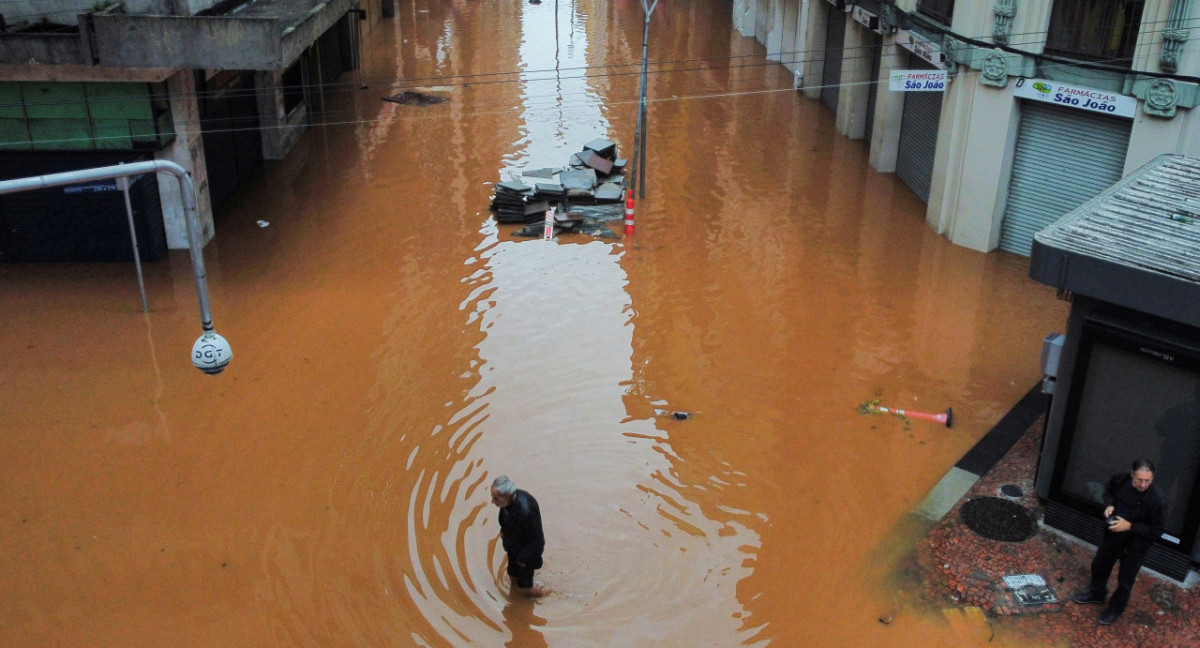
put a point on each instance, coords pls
(917, 81)
(927, 51)
(107, 184)
(866, 19)
(1090, 99)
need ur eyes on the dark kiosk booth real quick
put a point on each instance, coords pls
(1127, 379)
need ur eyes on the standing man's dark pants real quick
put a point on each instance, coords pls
(1130, 550)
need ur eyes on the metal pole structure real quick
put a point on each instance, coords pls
(639, 147)
(643, 126)
(123, 183)
(211, 353)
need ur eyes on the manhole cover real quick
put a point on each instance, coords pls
(999, 519)
(1011, 490)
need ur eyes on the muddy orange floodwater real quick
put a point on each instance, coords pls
(395, 349)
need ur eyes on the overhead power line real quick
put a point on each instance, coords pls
(792, 57)
(662, 68)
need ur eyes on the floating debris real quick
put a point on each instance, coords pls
(409, 98)
(263, 223)
(568, 223)
(873, 407)
(584, 194)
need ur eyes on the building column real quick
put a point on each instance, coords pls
(745, 16)
(790, 42)
(856, 72)
(814, 63)
(889, 110)
(973, 166)
(279, 130)
(775, 27)
(188, 152)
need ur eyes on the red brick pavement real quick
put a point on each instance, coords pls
(962, 568)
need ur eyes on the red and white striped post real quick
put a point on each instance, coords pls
(629, 214)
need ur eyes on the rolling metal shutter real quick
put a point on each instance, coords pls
(918, 136)
(876, 53)
(835, 41)
(1064, 158)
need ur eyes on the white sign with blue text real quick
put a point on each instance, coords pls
(1102, 101)
(917, 80)
(924, 49)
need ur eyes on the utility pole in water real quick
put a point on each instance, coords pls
(639, 143)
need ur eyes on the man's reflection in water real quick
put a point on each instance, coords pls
(523, 623)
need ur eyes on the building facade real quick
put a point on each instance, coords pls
(1044, 104)
(216, 86)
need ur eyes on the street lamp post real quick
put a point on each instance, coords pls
(211, 353)
(639, 144)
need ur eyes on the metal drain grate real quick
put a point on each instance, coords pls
(999, 519)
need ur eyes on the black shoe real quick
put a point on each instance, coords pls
(1087, 596)
(1108, 616)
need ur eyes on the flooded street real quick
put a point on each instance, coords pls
(395, 350)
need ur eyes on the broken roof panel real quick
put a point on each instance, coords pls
(1137, 244)
(578, 179)
(608, 192)
(601, 146)
(603, 165)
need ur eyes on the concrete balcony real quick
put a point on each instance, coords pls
(262, 35)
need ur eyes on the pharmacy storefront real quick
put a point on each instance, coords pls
(1071, 145)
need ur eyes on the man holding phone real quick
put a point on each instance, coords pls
(1136, 512)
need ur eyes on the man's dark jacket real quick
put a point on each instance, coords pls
(521, 530)
(1146, 510)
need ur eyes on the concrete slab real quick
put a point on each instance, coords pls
(514, 186)
(946, 493)
(546, 173)
(578, 180)
(609, 192)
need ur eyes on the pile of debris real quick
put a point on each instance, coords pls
(586, 191)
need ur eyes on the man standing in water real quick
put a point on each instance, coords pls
(521, 534)
(1136, 512)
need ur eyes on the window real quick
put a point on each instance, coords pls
(1095, 30)
(36, 115)
(939, 10)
